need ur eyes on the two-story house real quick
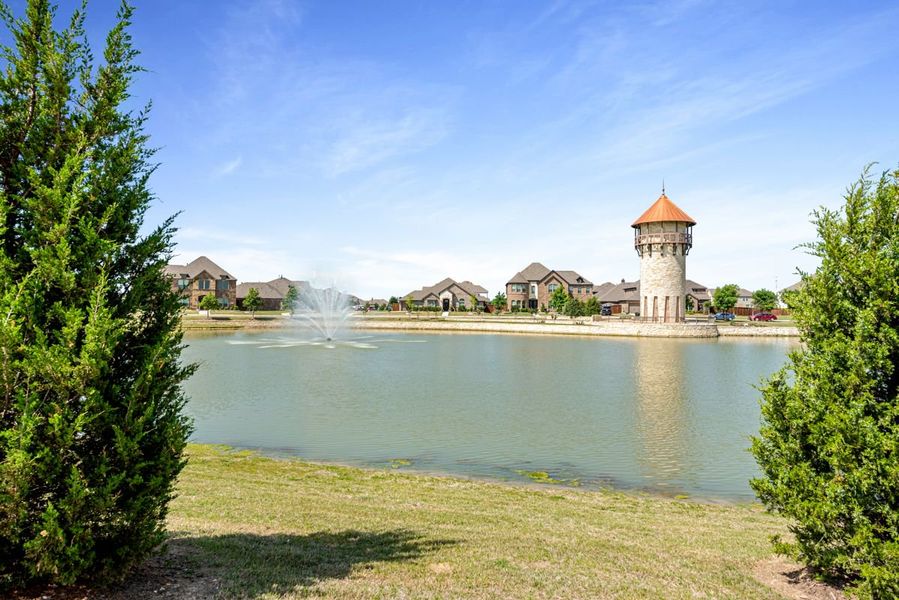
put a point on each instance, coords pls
(202, 277)
(532, 287)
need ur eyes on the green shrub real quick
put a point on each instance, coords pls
(91, 430)
(829, 441)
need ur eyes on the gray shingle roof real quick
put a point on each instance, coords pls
(459, 289)
(276, 288)
(571, 277)
(534, 272)
(626, 291)
(697, 290)
(197, 266)
(599, 290)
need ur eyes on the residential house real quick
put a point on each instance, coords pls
(202, 277)
(532, 287)
(272, 293)
(449, 294)
(700, 295)
(626, 294)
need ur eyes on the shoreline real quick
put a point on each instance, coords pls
(507, 325)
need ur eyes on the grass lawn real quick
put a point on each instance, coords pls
(247, 526)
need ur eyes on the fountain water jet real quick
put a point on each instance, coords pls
(325, 312)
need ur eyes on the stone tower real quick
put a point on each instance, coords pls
(663, 236)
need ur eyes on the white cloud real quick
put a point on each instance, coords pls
(228, 167)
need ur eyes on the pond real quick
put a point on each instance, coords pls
(669, 416)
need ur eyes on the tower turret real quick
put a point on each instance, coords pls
(663, 236)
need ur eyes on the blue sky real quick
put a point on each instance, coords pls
(386, 145)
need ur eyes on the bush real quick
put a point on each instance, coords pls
(829, 441)
(91, 430)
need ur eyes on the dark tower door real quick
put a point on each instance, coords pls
(446, 305)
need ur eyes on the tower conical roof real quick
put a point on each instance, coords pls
(664, 210)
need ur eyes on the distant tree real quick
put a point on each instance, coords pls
(209, 302)
(592, 306)
(473, 300)
(558, 299)
(91, 424)
(408, 302)
(573, 307)
(252, 302)
(764, 300)
(689, 304)
(830, 419)
(289, 302)
(393, 300)
(499, 302)
(725, 297)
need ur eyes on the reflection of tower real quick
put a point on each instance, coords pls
(663, 236)
(662, 412)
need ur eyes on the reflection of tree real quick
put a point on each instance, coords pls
(661, 409)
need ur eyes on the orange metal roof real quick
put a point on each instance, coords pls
(664, 210)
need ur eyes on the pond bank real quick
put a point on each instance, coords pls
(247, 526)
(615, 328)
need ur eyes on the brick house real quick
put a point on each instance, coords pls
(626, 295)
(202, 277)
(532, 287)
(449, 294)
(272, 293)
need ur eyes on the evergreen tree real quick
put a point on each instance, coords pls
(558, 299)
(592, 306)
(253, 302)
(573, 307)
(289, 302)
(499, 302)
(91, 429)
(829, 442)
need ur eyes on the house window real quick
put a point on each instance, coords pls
(204, 284)
(222, 284)
(183, 283)
(183, 301)
(519, 288)
(517, 303)
(552, 287)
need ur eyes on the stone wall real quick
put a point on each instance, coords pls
(605, 328)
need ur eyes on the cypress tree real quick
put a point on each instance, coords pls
(829, 441)
(91, 428)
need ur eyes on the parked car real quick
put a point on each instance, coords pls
(725, 316)
(763, 316)
(606, 310)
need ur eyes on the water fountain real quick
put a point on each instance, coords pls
(325, 312)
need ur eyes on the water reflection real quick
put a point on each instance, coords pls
(662, 411)
(670, 415)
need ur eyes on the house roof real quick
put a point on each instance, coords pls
(573, 277)
(697, 290)
(794, 288)
(197, 266)
(517, 278)
(663, 209)
(534, 272)
(459, 289)
(626, 291)
(275, 289)
(599, 290)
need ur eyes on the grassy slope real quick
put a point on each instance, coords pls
(278, 528)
